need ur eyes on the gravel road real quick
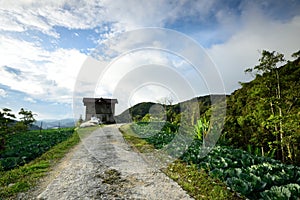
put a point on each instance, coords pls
(103, 166)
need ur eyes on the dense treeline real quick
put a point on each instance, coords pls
(264, 115)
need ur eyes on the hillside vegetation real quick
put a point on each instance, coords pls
(141, 110)
(263, 116)
(259, 148)
(251, 176)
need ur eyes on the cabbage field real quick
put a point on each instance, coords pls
(24, 147)
(252, 176)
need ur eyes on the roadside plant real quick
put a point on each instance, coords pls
(201, 129)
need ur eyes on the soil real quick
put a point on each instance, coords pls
(103, 166)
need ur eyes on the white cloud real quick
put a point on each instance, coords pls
(30, 100)
(43, 15)
(43, 74)
(124, 15)
(3, 93)
(148, 74)
(243, 48)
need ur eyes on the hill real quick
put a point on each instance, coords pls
(138, 111)
(53, 123)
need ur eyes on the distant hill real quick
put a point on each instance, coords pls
(31, 127)
(34, 127)
(53, 123)
(138, 111)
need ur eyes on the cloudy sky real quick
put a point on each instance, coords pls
(49, 49)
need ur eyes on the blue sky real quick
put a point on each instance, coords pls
(44, 45)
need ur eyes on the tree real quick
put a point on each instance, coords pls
(26, 117)
(6, 120)
(269, 63)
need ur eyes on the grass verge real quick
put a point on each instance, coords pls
(135, 141)
(23, 178)
(197, 183)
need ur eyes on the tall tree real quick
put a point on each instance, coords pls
(6, 120)
(269, 63)
(26, 117)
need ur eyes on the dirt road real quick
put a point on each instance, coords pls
(103, 166)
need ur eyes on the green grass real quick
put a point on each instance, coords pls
(134, 140)
(196, 182)
(84, 132)
(23, 178)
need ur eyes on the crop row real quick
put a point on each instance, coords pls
(252, 176)
(23, 147)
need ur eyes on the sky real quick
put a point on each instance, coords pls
(54, 53)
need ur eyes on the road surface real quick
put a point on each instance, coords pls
(103, 166)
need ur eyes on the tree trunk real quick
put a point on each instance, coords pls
(278, 155)
(290, 155)
(280, 117)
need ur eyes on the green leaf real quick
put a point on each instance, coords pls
(276, 193)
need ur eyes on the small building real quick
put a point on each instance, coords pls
(102, 108)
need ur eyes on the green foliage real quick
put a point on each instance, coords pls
(201, 128)
(146, 118)
(173, 112)
(278, 193)
(245, 173)
(238, 185)
(26, 117)
(23, 147)
(197, 183)
(264, 113)
(6, 120)
(156, 133)
(135, 113)
(23, 178)
(263, 118)
(9, 125)
(134, 140)
(269, 61)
